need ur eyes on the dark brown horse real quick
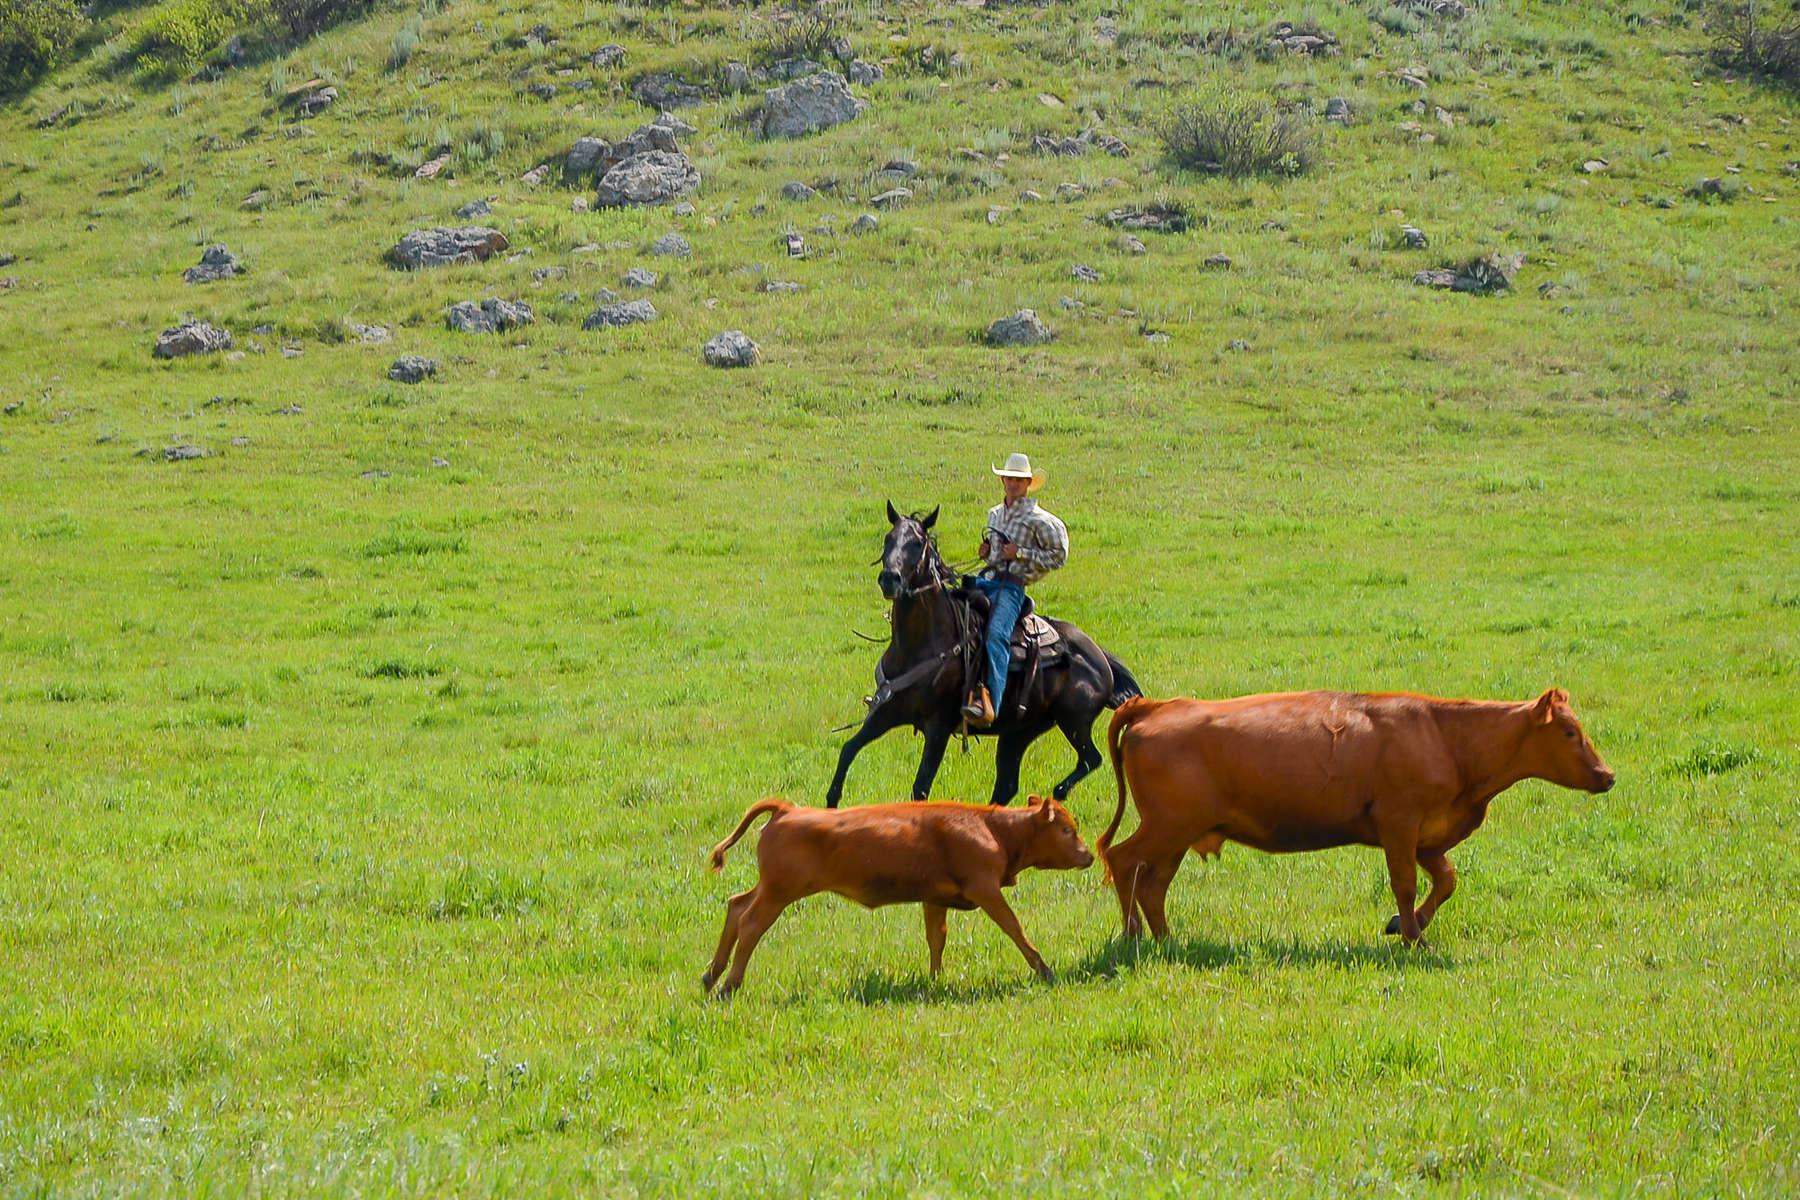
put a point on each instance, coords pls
(937, 635)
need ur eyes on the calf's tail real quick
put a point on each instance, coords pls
(756, 810)
(1128, 712)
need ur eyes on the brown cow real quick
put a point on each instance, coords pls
(942, 856)
(1311, 770)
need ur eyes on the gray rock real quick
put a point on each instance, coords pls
(794, 68)
(584, 156)
(795, 245)
(1491, 272)
(733, 348)
(216, 262)
(839, 47)
(795, 190)
(892, 198)
(1069, 304)
(867, 223)
(488, 315)
(536, 175)
(412, 368)
(737, 77)
(1238, 344)
(1217, 262)
(1084, 273)
(371, 334)
(1415, 237)
(898, 168)
(439, 461)
(808, 105)
(444, 245)
(314, 103)
(684, 209)
(655, 177)
(473, 209)
(1337, 109)
(1021, 329)
(191, 337)
(781, 285)
(665, 89)
(610, 55)
(862, 74)
(671, 245)
(672, 123)
(616, 316)
(182, 453)
(1156, 337)
(607, 296)
(639, 277)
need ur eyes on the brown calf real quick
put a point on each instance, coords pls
(942, 856)
(1311, 770)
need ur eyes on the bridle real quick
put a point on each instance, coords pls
(930, 563)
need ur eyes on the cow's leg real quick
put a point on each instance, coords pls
(1127, 868)
(758, 915)
(734, 914)
(877, 723)
(935, 934)
(994, 904)
(1007, 757)
(1153, 888)
(1443, 882)
(937, 736)
(1403, 875)
(1087, 755)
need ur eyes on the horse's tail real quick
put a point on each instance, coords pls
(1130, 711)
(756, 810)
(1125, 686)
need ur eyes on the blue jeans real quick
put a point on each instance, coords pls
(1008, 599)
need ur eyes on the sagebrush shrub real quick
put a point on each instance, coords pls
(1229, 133)
(1747, 38)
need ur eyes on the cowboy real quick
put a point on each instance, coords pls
(1023, 544)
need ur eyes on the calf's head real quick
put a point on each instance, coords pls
(1558, 750)
(1053, 842)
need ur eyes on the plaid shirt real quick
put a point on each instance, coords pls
(1043, 541)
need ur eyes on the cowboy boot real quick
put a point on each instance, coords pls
(980, 709)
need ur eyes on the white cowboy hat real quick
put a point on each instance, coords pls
(1018, 466)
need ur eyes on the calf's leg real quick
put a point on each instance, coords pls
(758, 915)
(994, 905)
(934, 935)
(1403, 876)
(734, 913)
(1443, 882)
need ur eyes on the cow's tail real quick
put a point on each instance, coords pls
(756, 810)
(1125, 686)
(1129, 711)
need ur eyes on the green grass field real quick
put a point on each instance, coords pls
(355, 808)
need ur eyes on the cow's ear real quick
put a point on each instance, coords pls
(930, 519)
(1544, 711)
(893, 517)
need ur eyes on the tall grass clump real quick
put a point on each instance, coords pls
(177, 34)
(35, 35)
(1747, 38)
(1223, 131)
(405, 41)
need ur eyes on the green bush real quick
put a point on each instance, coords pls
(1225, 132)
(303, 18)
(1746, 38)
(34, 37)
(178, 33)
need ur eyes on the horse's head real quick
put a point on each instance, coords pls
(908, 558)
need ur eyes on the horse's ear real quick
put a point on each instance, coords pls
(893, 517)
(930, 519)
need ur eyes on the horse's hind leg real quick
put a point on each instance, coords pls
(1087, 755)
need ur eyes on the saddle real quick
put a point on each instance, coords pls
(1032, 633)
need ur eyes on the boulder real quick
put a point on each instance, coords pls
(473, 209)
(795, 190)
(585, 155)
(216, 262)
(444, 245)
(671, 245)
(862, 74)
(733, 348)
(1021, 329)
(867, 223)
(610, 55)
(371, 334)
(808, 105)
(655, 177)
(892, 198)
(412, 368)
(616, 316)
(1491, 272)
(1084, 273)
(488, 315)
(191, 337)
(665, 89)
(639, 277)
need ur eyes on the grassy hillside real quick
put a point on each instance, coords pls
(358, 775)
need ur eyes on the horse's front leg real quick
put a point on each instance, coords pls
(878, 722)
(937, 737)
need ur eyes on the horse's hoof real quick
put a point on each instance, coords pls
(1393, 925)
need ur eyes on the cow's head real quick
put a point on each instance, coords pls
(1054, 843)
(1558, 750)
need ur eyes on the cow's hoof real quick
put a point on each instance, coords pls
(1393, 925)
(1046, 974)
(707, 980)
